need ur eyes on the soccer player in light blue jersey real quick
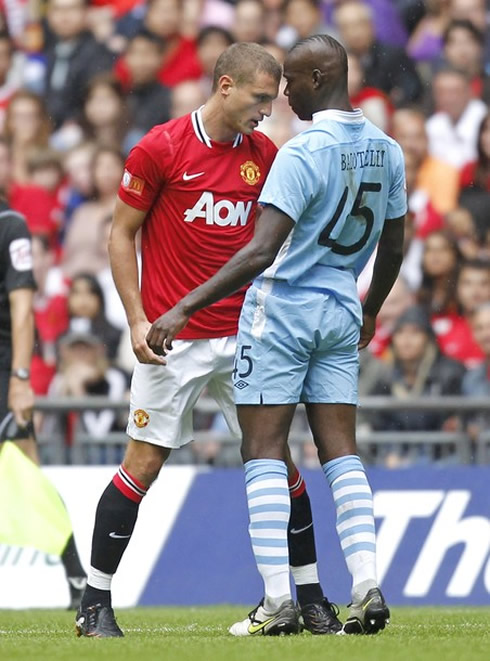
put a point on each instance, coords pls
(334, 192)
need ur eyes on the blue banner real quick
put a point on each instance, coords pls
(433, 540)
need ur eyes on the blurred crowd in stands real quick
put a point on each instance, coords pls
(82, 81)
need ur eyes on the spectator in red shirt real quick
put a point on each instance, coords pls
(39, 199)
(374, 103)
(453, 329)
(27, 127)
(179, 58)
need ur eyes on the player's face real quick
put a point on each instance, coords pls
(298, 88)
(248, 104)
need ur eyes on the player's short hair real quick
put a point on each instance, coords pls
(243, 61)
(327, 42)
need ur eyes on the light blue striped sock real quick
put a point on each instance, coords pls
(355, 520)
(269, 508)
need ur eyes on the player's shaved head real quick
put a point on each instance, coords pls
(316, 72)
(322, 52)
(243, 61)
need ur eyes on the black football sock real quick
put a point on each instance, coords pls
(301, 542)
(115, 519)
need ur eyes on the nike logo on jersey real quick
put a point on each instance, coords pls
(255, 628)
(114, 535)
(296, 531)
(188, 177)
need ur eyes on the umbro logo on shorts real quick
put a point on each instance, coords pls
(241, 385)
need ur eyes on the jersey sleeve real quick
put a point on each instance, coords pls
(290, 185)
(145, 172)
(397, 198)
(17, 254)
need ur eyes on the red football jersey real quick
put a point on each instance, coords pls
(201, 198)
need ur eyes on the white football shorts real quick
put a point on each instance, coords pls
(163, 396)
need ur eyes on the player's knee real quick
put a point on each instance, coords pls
(143, 461)
(263, 448)
(329, 449)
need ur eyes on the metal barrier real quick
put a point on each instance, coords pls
(373, 445)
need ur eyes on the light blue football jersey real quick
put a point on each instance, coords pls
(338, 180)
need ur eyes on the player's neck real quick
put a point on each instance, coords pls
(215, 123)
(335, 101)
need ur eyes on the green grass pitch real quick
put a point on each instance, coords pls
(200, 634)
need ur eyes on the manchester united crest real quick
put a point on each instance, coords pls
(141, 418)
(250, 172)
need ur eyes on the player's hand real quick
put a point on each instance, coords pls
(163, 331)
(368, 329)
(21, 401)
(140, 347)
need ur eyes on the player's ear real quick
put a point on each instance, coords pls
(316, 77)
(225, 84)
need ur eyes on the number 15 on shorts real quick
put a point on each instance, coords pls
(243, 366)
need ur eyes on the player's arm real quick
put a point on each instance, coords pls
(126, 222)
(271, 230)
(20, 395)
(386, 268)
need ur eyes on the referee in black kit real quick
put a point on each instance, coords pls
(17, 287)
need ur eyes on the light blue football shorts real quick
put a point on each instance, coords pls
(295, 345)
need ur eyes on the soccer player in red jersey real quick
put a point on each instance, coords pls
(192, 186)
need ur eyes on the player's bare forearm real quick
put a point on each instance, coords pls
(386, 269)
(271, 231)
(124, 266)
(122, 254)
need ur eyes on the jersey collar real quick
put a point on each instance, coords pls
(202, 136)
(347, 117)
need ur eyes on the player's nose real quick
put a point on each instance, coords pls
(266, 110)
